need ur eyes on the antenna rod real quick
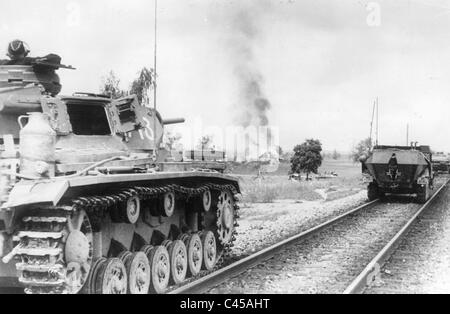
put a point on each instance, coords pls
(371, 124)
(155, 53)
(154, 79)
(377, 124)
(407, 134)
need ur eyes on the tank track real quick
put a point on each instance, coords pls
(41, 242)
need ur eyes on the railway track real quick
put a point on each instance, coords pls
(396, 225)
(371, 272)
(421, 262)
(205, 283)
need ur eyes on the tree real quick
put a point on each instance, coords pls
(141, 86)
(360, 149)
(335, 155)
(171, 140)
(110, 86)
(307, 157)
(205, 142)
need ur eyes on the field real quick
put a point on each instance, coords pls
(277, 186)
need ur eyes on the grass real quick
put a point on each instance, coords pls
(277, 186)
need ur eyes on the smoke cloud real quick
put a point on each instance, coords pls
(252, 106)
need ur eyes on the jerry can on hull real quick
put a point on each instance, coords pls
(37, 146)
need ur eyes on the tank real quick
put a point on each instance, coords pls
(398, 170)
(90, 203)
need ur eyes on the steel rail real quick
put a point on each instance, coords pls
(372, 270)
(207, 282)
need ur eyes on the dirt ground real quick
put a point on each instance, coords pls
(277, 186)
(262, 225)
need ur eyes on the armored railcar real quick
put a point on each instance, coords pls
(399, 170)
(89, 202)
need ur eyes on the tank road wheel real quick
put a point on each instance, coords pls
(168, 204)
(225, 217)
(209, 250)
(132, 209)
(159, 269)
(78, 251)
(206, 200)
(194, 248)
(111, 277)
(138, 272)
(178, 261)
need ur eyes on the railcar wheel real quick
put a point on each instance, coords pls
(209, 250)
(194, 254)
(372, 192)
(111, 277)
(168, 204)
(138, 272)
(423, 193)
(159, 269)
(178, 261)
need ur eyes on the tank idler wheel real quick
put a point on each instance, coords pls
(89, 287)
(206, 200)
(209, 250)
(159, 260)
(111, 277)
(168, 204)
(132, 210)
(194, 249)
(138, 272)
(178, 261)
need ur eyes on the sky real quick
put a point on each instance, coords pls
(320, 63)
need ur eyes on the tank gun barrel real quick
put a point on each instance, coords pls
(174, 121)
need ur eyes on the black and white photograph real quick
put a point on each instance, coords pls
(231, 153)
